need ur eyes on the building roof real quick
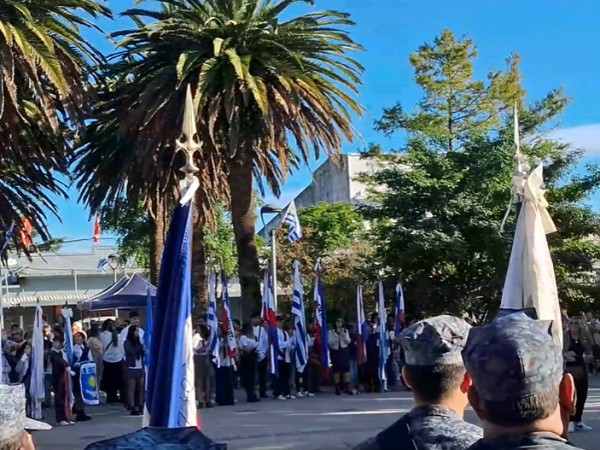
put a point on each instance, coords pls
(56, 263)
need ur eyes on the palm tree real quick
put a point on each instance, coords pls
(45, 68)
(262, 84)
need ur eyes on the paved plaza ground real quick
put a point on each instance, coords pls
(325, 422)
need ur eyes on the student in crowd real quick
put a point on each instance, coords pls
(81, 354)
(371, 367)
(285, 336)
(339, 340)
(262, 353)
(95, 345)
(519, 389)
(435, 371)
(134, 319)
(60, 373)
(134, 370)
(247, 346)
(47, 331)
(113, 355)
(202, 365)
(224, 374)
(577, 351)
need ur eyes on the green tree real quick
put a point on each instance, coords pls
(263, 81)
(437, 223)
(45, 77)
(335, 233)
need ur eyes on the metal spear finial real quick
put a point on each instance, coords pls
(188, 141)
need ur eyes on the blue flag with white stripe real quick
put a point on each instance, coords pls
(8, 237)
(292, 221)
(383, 344)
(213, 322)
(299, 321)
(171, 398)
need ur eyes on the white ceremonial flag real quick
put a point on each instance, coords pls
(36, 386)
(530, 280)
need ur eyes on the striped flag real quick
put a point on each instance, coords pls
(228, 329)
(213, 323)
(67, 314)
(102, 265)
(291, 219)
(320, 320)
(362, 333)
(269, 313)
(399, 310)
(383, 350)
(36, 386)
(97, 230)
(8, 235)
(299, 321)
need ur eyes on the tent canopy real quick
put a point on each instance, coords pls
(128, 292)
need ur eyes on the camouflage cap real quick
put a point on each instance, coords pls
(435, 341)
(513, 357)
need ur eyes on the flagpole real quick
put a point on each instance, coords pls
(274, 264)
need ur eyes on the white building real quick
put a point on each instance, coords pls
(334, 181)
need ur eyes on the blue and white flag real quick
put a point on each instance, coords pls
(170, 393)
(228, 330)
(102, 265)
(299, 321)
(383, 347)
(213, 322)
(399, 310)
(148, 350)
(291, 219)
(8, 237)
(36, 387)
(88, 383)
(67, 314)
(320, 321)
(269, 315)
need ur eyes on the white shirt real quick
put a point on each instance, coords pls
(286, 345)
(77, 351)
(112, 353)
(262, 338)
(124, 331)
(247, 343)
(337, 341)
(199, 345)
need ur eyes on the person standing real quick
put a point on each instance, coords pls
(47, 331)
(224, 373)
(262, 338)
(60, 373)
(202, 365)
(339, 340)
(248, 346)
(577, 353)
(113, 355)
(435, 371)
(134, 370)
(519, 389)
(97, 350)
(285, 337)
(81, 354)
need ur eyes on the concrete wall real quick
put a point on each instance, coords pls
(330, 184)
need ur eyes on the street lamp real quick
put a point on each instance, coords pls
(272, 209)
(113, 263)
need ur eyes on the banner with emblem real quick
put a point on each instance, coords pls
(88, 384)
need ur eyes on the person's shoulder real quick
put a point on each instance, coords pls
(369, 444)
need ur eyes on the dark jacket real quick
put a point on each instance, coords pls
(133, 351)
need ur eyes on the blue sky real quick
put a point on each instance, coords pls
(557, 41)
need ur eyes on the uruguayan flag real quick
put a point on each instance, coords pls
(213, 323)
(8, 237)
(299, 320)
(102, 265)
(383, 347)
(291, 220)
(67, 314)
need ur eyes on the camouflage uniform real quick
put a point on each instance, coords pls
(510, 358)
(431, 342)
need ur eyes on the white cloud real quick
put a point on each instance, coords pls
(586, 137)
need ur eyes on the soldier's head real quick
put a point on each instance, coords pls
(517, 370)
(434, 368)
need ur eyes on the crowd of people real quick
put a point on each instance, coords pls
(118, 350)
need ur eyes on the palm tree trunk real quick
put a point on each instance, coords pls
(158, 224)
(199, 276)
(242, 216)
